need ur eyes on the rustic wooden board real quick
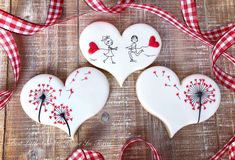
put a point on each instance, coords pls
(3, 84)
(56, 51)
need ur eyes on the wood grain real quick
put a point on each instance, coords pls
(3, 84)
(55, 51)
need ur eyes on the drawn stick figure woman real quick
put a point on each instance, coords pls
(109, 54)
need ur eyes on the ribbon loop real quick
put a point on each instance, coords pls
(9, 45)
(225, 42)
(137, 140)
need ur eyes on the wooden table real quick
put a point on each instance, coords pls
(55, 51)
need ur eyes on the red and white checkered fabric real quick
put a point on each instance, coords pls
(192, 28)
(232, 151)
(14, 24)
(9, 45)
(81, 154)
(189, 12)
(228, 148)
(99, 6)
(225, 42)
(20, 26)
(225, 37)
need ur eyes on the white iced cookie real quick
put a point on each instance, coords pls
(47, 100)
(104, 47)
(177, 104)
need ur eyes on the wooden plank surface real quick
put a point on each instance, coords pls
(3, 84)
(55, 51)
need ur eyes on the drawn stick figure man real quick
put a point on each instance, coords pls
(133, 48)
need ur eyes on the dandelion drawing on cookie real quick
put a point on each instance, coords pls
(62, 115)
(199, 94)
(43, 96)
(109, 50)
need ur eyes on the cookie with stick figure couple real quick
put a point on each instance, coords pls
(120, 54)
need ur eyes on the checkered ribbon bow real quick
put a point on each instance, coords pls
(81, 154)
(10, 23)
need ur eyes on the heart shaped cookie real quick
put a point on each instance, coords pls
(103, 46)
(47, 100)
(177, 104)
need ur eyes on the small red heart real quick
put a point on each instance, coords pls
(93, 48)
(153, 42)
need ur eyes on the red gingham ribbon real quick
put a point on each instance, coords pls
(81, 154)
(228, 147)
(17, 25)
(9, 45)
(14, 24)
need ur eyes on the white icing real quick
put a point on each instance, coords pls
(127, 52)
(90, 90)
(164, 97)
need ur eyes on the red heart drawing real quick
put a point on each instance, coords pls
(153, 42)
(93, 48)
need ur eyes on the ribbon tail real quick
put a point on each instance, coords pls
(229, 146)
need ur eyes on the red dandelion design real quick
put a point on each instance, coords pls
(198, 94)
(50, 78)
(71, 91)
(62, 115)
(44, 96)
(86, 75)
(167, 83)
(89, 72)
(77, 72)
(74, 78)
(155, 73)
